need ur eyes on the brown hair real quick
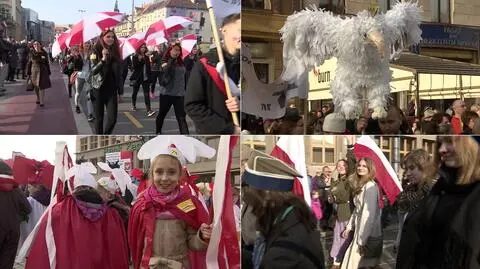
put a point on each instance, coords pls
(421, 159)
(144, 45)
(231, 19)
(468, 153)
(267, 206)
(114, 49)
(358, 181)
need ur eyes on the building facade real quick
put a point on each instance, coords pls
(47, 32)
(32, 24)
(326, 150)
(124, 149)
(153, 11)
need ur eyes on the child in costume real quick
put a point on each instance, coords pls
(167, 223)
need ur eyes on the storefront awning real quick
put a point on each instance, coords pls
(437, 78)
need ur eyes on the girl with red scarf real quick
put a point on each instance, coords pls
(167, 224)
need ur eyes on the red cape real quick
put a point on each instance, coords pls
(81, 243)
(142, 222)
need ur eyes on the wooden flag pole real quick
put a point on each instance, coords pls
(220, 56)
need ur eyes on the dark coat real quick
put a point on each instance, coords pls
(14, 208)
(39, 69)
(100, 67)
(138, 67)
(443, 233)
(294, 234)
(204, 102)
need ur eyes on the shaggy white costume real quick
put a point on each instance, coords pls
(363, 46)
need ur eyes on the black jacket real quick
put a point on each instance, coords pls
(76, 62)
(14, 208)
(292, 246)
(100, 67)
(443, 233)
(138, 67)
(204, 102)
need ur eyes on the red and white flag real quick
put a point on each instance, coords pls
(291, 150)
(63, 162)
(224, 248)
(187, 44)
(385, 174)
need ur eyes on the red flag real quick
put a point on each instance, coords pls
(224, 248)
(30, 171)
(385, 175)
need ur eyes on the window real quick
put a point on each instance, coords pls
(407, 144)
(385, 144)
(94, 142)
(84, 144)
(257, 4)
(323, 149)
(257, 142)
(336, 6)
(385, 5)
(103, 141)
(197, 31)
(440, 10)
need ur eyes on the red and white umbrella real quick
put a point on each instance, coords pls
(60, 44)
(188, 42)
(93, 26)
(169, 25)
(156, 39)
(129, 45)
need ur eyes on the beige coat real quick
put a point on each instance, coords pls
(171, 241)
(366, 222)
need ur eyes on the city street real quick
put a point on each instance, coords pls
(20, 115)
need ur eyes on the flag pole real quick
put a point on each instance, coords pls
(220, 56)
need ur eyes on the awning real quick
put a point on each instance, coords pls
(437, 78)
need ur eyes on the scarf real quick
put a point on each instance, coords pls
(91, 211)
(43, 197)
(160, 200)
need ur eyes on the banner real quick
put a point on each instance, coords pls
(267, 100)
(223, 8)
(124, 159)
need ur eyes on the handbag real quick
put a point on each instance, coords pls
(29, 85)
(96, 81)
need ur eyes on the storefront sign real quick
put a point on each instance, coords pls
(451, 36)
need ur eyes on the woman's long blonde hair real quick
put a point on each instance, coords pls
(357, 181)
(421, 159)
(468, 152)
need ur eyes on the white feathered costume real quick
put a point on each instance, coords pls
(363, 46)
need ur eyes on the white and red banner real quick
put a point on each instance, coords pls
(187, 43)
(291, 150)
(123, 158)
(224, 248)
(385, 174)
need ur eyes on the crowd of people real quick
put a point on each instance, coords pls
(97, 74)
(152, 221)
(437, 212)
(457, 119)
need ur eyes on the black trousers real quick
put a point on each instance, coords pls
(11, 73)
(102, 101)
(155, 78)
(146, 95)
(166, 101)
(8, 247)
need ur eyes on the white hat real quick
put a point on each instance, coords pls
(109, 184)
(334, 123)
(184, 148)
(121, 177)
(82, 174)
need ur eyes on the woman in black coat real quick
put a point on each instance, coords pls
(106, 75)
(444, 232)
(141, 77)
(38, 70)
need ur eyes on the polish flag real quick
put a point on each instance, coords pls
(224, 248)
(385, 175)
(291, 150)
(63, 162)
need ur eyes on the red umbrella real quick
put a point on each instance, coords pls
(129, 45)
(187, 43)
(93, 26)
(169, 25)
(156, 38)
(60, 44)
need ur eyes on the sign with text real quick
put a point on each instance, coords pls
(440, 35)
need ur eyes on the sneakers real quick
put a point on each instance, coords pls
(90, 118)
(134, 108)
(150, 113)
(77, 109)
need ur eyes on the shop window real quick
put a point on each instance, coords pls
(335, 6)
(440, 10)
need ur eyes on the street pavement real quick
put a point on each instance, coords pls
(20, 115)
